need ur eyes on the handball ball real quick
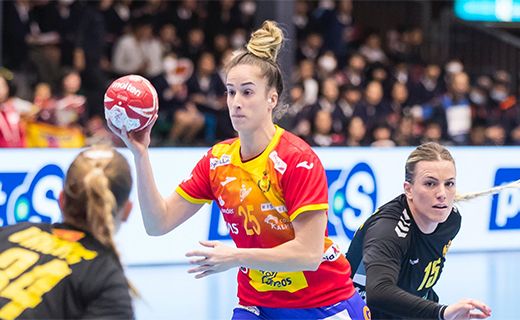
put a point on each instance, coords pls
(131, 102)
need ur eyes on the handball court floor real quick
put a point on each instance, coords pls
(169, 292)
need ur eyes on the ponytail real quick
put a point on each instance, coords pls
(97, 186)
(473, 195)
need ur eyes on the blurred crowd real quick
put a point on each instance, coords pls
(350, 86)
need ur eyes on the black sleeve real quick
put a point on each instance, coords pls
(384, 251)
(107, 291)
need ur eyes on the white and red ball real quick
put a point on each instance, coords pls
(131, 102)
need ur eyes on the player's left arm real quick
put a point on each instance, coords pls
(303, 253)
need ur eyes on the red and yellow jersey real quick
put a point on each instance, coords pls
(259, 199)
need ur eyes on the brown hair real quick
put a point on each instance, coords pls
(97, 186)
(430, 151)
(262, 51)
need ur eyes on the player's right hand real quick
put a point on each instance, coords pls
(467, 309)
(137, 141)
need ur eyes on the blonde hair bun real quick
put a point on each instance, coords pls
(266, 42)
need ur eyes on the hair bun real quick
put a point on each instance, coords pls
(266, 42)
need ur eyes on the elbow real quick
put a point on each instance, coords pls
(376, 297)
(154, 231)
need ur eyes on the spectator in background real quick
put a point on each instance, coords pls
(207, 91)
(13, 111)
(428, 87)
(322, 135)
(372, 49)
(354, 72)
(290, 117)
(372, 108)
(139, 51)
(194, 45)
(382, 136)
(305, 75)
(356, 132)
(405, 134)
(328, 101)
(311, 48)
(433, 133)
(15, 48)
(90, 57)
(170, 42)
(453, 109)
(71, 106)
(495, 134)
(503, 105)
(44, 43)
(179, 121)
(477, 134)
(301, 19)
(398, 104)
(116, 16)
(220, 47)
(515, 136)
(326, 64)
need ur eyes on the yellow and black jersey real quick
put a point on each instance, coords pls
(58, 271)
(395, 265)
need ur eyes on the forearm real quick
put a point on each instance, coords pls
(289, 256)
(152, 204)
(383, 294)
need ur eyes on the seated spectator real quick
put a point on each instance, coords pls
(373, 108)
(356, 131)
(66, 110)
(138, 51)
(207, 91)
(382, 136)
(322, 133)
(13, 111)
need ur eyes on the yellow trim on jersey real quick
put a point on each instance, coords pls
(189, 198)
(310, 207)
(254, 164)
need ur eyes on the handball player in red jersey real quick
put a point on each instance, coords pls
(272, 191)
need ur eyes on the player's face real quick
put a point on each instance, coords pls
(247, 98)
(432, 192)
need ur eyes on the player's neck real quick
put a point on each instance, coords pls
(425, 225)
(254, 143)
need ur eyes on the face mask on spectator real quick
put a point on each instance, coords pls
(169, 64)
(477, 97)
(248, 8)
(498, 95)
(238, 41)
(327, 63)
(454, 67)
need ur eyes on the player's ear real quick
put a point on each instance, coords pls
(61, 200)
(407, 186)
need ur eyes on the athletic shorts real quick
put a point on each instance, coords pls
(353, 308)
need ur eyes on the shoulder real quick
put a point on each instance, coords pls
(21, 226)
(293, 147)
(391, 220)
(223, 147)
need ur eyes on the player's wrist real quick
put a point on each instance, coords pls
(441, 312)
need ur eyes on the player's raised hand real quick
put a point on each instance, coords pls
(136, 141)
